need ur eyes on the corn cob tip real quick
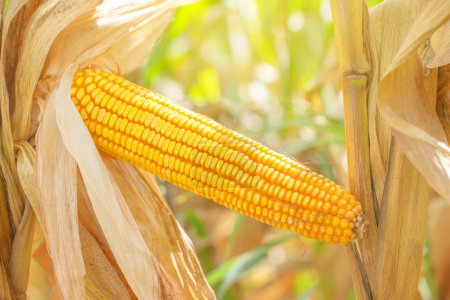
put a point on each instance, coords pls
(361, 223)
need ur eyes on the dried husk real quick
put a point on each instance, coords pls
(124, 252)
(438, 48)
(443, 101)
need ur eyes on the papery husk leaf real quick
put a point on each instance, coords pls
(92, 227)
(438, 51)
(411, 112)
(46, 23)
(443, 100)
(102, 280)
(111, 211)
(416, 119)
(19, 263)
(11, 206)
(66, 35)
(26, 161)
(386, 25)
(43, 259)
(161, 230)
(433, 14)
(17, 18)
(14, 201)
(56, 177)
(401, 230)
(9, 175)
(139, 43)
(108, 37)
(6, 232)
(99, 37)
(405, 103)
(5, 289)
(39, 286)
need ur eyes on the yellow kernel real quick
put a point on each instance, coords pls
(121, 109)
(111, 103)
(123, 124)
(91, 127)
(342, 203)
(98, 97)
(85, 100)
(116, 106)
(94, 112)
(101, 115)
(89, 107)
(256, 199)
(277, 216)
(80, 94)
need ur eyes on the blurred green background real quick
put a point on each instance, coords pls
(268, 70)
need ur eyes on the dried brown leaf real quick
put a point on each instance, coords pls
(56, 180)
(161, 231)
(113, 215)
(46, 273)
(5, 289)
(91, 225)
(402, 99)
(6, 233)
(16, 21)
(387, 31)
(438, 51)
(39, 285)
(47, 21)
(401, 229)
(394, 22)
(26, 161)
(409, 109)
(433, 14)
(47, 42)
(19, 264)
(102, 280)
(117, 36)
(443, 101)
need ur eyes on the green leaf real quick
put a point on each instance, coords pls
(197, 223)
(229, 272)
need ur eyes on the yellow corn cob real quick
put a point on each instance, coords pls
(200, 155)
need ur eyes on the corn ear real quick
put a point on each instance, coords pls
(194, 152)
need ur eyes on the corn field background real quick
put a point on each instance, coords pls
(358, 91)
